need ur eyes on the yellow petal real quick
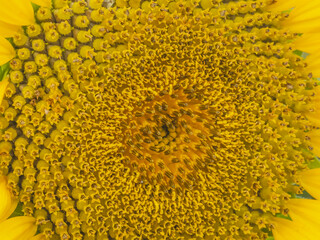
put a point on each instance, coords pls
(308, 42)
(17, 12)
(284, 5)
(6, 51)
(313, 62)
(305, 214)
(42, 3)
(7, 203)
(287, 230)
(281, 5)
(313, 117)
(310, 180)
(312, 112)
(8, 30)
(18, 228)
(304, 18)
(3, 86)
(314, 142)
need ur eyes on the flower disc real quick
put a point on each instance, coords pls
(156, 119)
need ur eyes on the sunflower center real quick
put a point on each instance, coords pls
(162, 120)
(166, 139)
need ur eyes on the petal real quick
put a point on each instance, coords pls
(308, 42)
(3, 85)
(314, 140)
(313, 62)
(8, 30)
(7, 52)
(18, 12)
(284, 5)
(8, 204)
(42, 3)
(304, 18)
(310, 180)
(281, 5)
(285, 229)
(18, 228)
(305, 214)
(313, 111)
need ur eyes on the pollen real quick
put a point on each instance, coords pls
(156, 119)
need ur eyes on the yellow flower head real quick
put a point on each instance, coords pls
(162, 119)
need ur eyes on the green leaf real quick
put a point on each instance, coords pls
(4, 70)
(301, 53)
(298, 52)
(35, 7)
(314, 164)
(18, 211)
(304, 195)
(283, 216)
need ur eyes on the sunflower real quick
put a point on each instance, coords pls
(167, 119)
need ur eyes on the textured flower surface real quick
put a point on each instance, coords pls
(193, 119)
